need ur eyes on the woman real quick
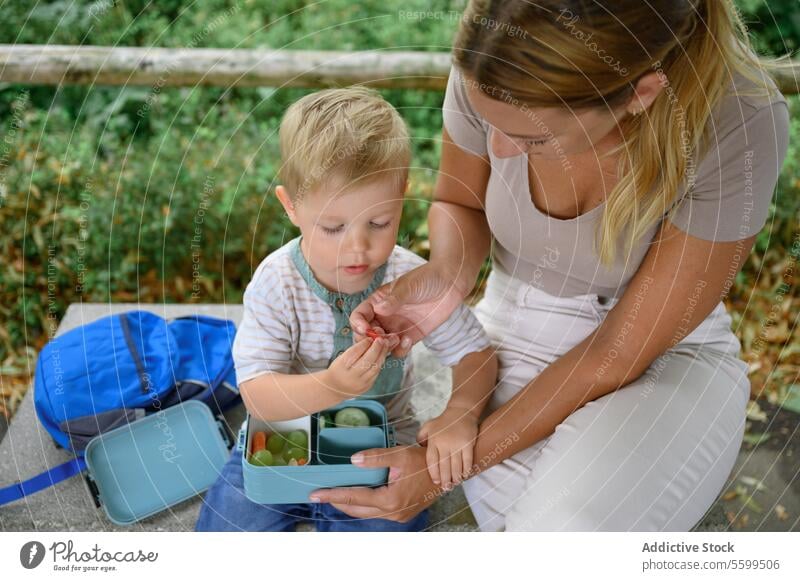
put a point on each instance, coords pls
(620, 161)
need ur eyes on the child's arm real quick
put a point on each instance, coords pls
(474, 378)
(278, 396)
(451, 436)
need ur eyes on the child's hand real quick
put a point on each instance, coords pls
(373, 332)
(450, 441)
(354, 372)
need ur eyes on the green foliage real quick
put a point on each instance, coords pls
(774, 25)
(774, 28)
(165, 194)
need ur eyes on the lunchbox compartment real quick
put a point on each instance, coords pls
(257, 425)
(374, 410)
(336, 445)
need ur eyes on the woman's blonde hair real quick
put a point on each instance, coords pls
(590, 54)
(349, 134)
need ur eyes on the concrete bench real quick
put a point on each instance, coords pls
(27, 450)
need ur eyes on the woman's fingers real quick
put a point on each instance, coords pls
(359, 511)
(362, 316)
(403, 346)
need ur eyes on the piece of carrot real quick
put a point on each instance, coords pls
(259, 442)
(302, 462)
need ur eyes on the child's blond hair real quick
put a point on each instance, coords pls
(351, 133)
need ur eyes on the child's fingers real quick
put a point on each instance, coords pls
(432, 458)
(367, 354)
(356, 351)
(444, 470)
(466, 469)
(382, 357)
(455, 467)
(366, 368)
(374, 355)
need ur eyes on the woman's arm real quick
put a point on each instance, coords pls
(680, 281)
(459, 234)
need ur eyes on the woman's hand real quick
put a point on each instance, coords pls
(408, 492)
(410, 306)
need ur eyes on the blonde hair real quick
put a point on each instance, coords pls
(583, 54)
(349, 134)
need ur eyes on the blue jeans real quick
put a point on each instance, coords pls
(226, 508)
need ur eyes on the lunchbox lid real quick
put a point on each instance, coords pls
(156, 462)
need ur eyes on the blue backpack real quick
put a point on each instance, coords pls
(121, 368)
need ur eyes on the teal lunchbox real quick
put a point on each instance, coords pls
(329, 449)
(153, 463)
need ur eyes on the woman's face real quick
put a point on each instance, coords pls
(547, 132)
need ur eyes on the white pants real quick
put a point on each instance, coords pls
(651, 456)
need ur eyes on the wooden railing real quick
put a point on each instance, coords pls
(177, 67)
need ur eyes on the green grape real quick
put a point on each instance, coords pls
(276, 443)
(298, 438)
(262, 458)
(296, 453)
(278, 460)
(352, 417)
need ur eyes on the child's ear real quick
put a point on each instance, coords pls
(404, 186)
(287, 204)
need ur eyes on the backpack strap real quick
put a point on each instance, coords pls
(140, 368)
(42, 481)
(216, 322)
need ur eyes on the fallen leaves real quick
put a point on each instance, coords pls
(791, 401)
(755, 413)
(757, 438)
(742, 493)
(765, 308)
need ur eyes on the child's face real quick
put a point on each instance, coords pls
(347, 234)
